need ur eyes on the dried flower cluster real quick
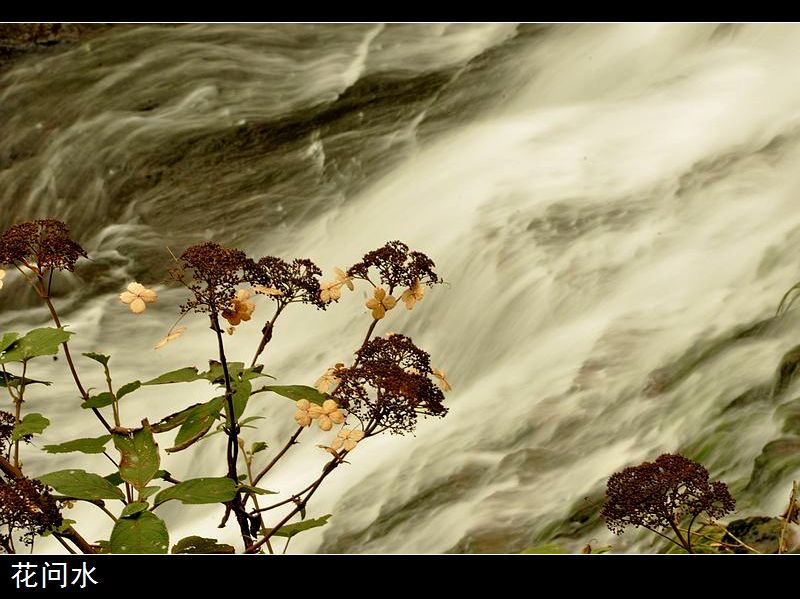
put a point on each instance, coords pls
(397, 266)
(212, 273)
(43, 244)
(26, 504)
(389, 386)
(658, 495)
(286, 282)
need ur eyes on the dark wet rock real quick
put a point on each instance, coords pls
(790, 412)
(665, 379)
(777, 461)
(761, 533)
(21, 39)
(787, 371)
(440, 492)
(753, 395)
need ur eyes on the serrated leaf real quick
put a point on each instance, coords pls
(298, 392)
(182, 375)
(141, 533)
(128, 388)
(102, 358)
(139, 457)
(133, 508)
(197, 423)
(31, 424)
(81, 485)
(12, 380)
(199, 491)
(195, 544)
(100, 400)
(87, 445)
(256, 490)
(289, 530)
(38, 342)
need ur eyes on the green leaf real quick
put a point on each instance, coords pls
(31, 424)
(182, 375)
(100, 400)
(81, 485)
(128, 388)
(195, 544)
(197, 423)
(148, 491)
(141, 533)
(256, 490)
(114, 478)
(545, 548)
(87, 445)
(7, 340)
(15, 381)
(199, 490)
(139, 457)
(289, 530)
(173, 420)
(258, 446)
(240, 397)
(65, 524)
(298, 392)
(102, 358)
(133, 508)
(39, 342)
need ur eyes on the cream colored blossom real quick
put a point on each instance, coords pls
(343, 279)
(2, 276)
(136, 296)
(271, 291)
(413, 294)
(303, 415)
(328, 380)
(347, 439)
(380, 303)
(328, 414)
(241, 308)
(173, 334)
(330, 291)
(441, 379)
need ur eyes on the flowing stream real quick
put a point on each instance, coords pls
(612, 206)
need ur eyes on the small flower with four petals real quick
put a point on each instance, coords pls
(380, 303)
(413, 294)
(347, 439)
(328, 414)
(136, 296)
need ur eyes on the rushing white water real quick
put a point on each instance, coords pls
(601, 200)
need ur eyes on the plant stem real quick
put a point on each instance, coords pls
(74, 372)
(266, 333)
(274, 461)
(233, 441)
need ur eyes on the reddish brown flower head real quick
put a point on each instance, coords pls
(45, 243)
(389, 385)
(658, 494)
(212, 273)
(286, 282)
(26, 504)
(397, 266)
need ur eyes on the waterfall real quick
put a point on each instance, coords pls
(612, 208)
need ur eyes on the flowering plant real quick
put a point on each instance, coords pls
(387, 387)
